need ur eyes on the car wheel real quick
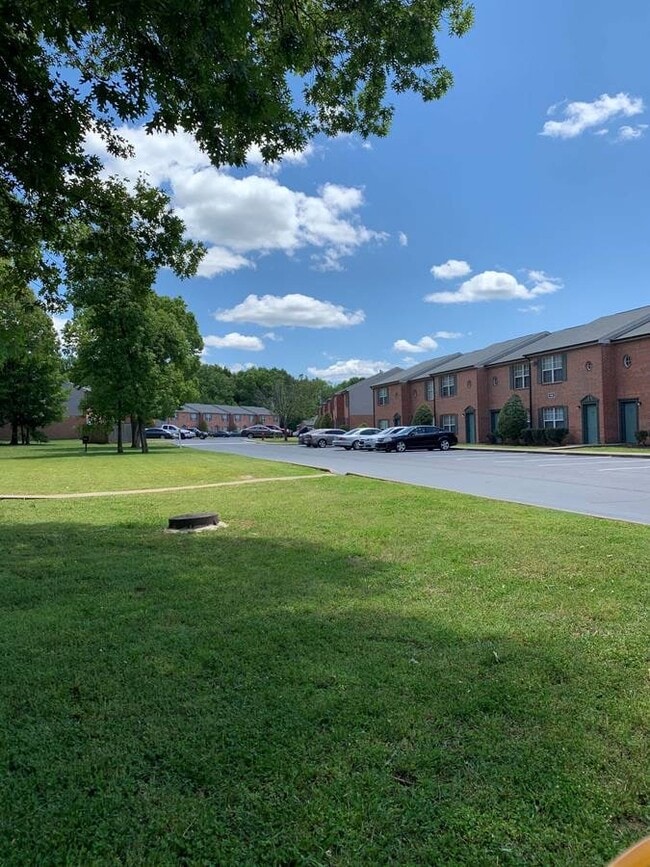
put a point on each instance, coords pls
(322, 444)
(444, 445)
(347, 448)
(250, 437)
(356, 445)
(400, 446)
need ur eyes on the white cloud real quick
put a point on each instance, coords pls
(270, 335)
(341, 370)
(254, 158)
(219, 260)
(236, 216)
(532, 308)
(628, 133)
(448, 335)
(581, 116)
(424, 344)
(238, 367)
(293, 309)
(234, 340)
(497, 286)
(59, 322)
(450, 269)
(603, 131)
(403, 239)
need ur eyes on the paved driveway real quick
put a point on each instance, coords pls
(609, 487)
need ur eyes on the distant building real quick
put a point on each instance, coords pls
(221, 416)
(353, 406)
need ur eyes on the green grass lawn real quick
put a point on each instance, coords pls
(64, 467)
(352, 673)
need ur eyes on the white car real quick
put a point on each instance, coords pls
(369, 442)
(353, 439)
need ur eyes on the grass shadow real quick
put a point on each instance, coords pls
(229, 700)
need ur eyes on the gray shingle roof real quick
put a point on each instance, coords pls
(601, 330)
(418, 371)
(489, 354)
(372, 380)
(224, 408)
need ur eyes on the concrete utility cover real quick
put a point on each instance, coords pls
(193, 521)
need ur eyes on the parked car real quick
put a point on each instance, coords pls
(424, 436)
(158, 433)
(304, 438)
(260, 431)
(368, 443)
(303, 429)
(353, 439)
(323, 437)
(200, 434)
(177, 432)
(219, 433)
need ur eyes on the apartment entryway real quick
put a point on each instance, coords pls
(629, 420)
(590, 432)
(470, 425)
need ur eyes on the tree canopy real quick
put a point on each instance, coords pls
(234, 73)
(31, 374)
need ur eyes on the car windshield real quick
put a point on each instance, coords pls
(389, 430)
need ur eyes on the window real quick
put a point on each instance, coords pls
(627, 361)
(383, 424)
(448, 385)
(237, 418)
(449, 422)
(520, 375)
(382, 396)
(429, 389)
(494, 420)
(552, 368)
(553, 416)
(194, 416)
(208, 416)
(224, 418)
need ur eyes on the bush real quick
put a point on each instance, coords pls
(641, 437)
(512, 419)
(555, 436)
(324, 420)
(423, 415)
(202, 425)
(37, 436)
(538, 436)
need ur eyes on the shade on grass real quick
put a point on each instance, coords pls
(350, 673)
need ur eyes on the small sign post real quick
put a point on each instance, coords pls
(85, 440)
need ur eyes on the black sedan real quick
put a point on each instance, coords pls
(423, 436)
(157, 433)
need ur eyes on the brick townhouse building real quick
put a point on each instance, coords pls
(221, 416)
(353, 406)
(593, 379)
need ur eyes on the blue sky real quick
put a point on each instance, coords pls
(526, 190)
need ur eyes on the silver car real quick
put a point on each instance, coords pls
(354, 438)
(323, 437)
(369, 442)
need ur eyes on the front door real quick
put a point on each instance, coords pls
(470, 426)
(590, 423)
(629, 420)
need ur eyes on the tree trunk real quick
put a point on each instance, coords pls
(135, 433)
(144, 445)
(14, 433)
(120, 444)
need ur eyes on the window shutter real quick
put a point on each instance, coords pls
(564, 369)
(512, 377)
(566, 416)
(539, 370)
(540, 417)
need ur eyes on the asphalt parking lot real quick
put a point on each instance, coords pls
(600, 485)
